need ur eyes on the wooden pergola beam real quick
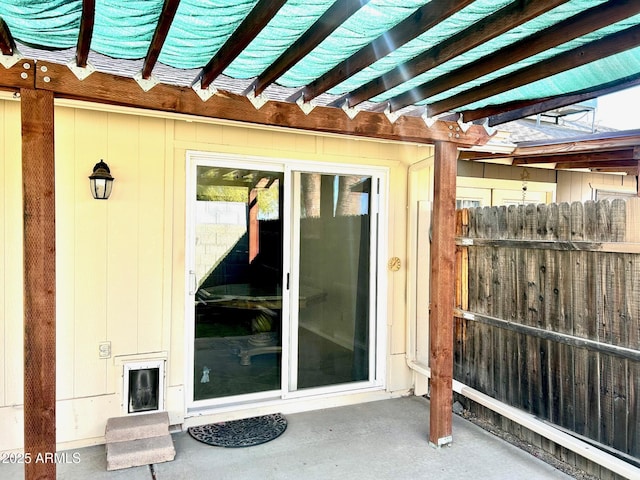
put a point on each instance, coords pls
(7, 44)
(324, 26)
(112, 89)
(38, 178)
(633, 171)
(167, 15)
(86, 32)
(571, 28)
(588, 143)
(499, 22)
(621, 165)
(254, 22)
(499, 114)
(443, 293)
(417, 23)
(576, 57)
(603, 146)
(581, 157)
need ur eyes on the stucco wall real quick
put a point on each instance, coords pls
(120, 263)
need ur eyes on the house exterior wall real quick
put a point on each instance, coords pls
(579, 186)
(11, 270)
(571, 186)
(120, 263)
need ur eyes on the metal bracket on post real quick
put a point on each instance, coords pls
(206, 93)
(257, 101)
(81, 72)
(391, 116)
(463, 126)
(490, 130)
(306, 107)
(428, 121)
(442, 442)
(146, 84)
(9, 61)
(350, 111)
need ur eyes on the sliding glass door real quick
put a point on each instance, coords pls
(333, 240)
(237, 281)
(282, 281)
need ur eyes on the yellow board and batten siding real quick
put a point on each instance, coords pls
(11, 261)
(120, 263)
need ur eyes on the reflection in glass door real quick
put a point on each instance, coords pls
(237, 282)
(333, 297)
(282, 281)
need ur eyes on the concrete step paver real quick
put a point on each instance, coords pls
(136, 440)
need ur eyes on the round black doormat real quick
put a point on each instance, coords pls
(241, 433)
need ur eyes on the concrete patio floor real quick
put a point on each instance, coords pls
(386, 439)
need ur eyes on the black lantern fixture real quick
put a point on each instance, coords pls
(101, 181)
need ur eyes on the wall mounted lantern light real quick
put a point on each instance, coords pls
(101, 181)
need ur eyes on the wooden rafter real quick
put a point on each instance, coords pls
(253, 23)
(7, 44)
(419, 22)
(579, 158)
(612, 152)
(86, 32)
(324, 26)
(569, 29)
(106, 88)
(473, 155)
(159, 36)
(499, 22)
(617, 152)
(497, 115)
(517, 109)
(576, 57)
(629, 171)
(614, 165)
(596, 142)
(611, 161)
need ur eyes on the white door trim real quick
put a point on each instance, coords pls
(378, 301)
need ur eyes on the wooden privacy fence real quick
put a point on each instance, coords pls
(548, 314)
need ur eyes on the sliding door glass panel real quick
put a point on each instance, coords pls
(238, 282)
(334, 279)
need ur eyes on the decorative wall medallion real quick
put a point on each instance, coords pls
(394, 264)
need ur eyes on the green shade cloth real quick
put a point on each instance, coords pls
(124, 30)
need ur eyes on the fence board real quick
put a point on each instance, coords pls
(619, 393)
(604, 316)
(554, 315)
(544, 231)
(633, 378)
(580, 314)
(566, 392)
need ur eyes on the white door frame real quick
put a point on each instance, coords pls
(378, 300)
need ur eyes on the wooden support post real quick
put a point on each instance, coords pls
(443, 255)
(39, 284)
